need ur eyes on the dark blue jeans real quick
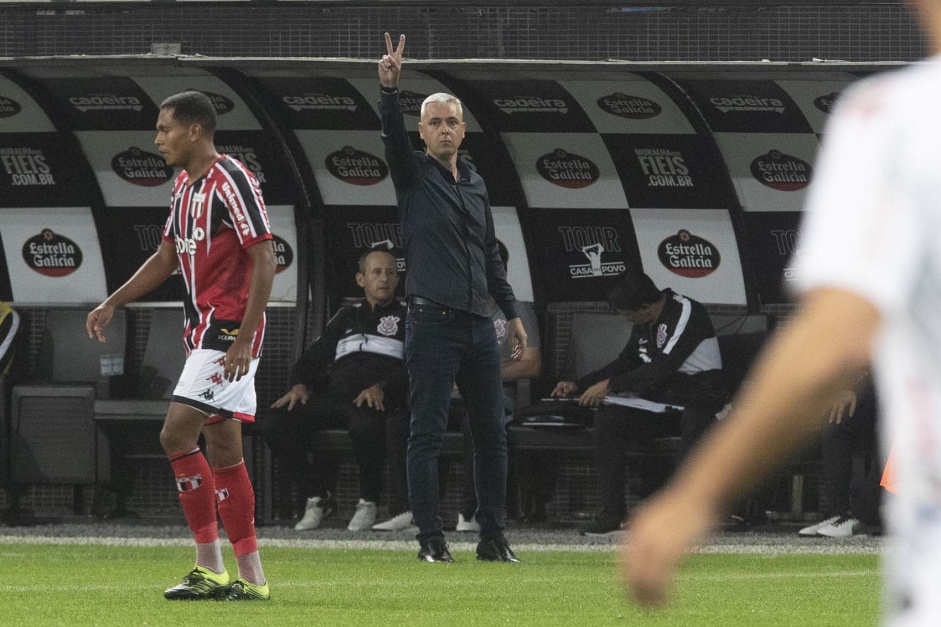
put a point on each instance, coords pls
(444, 346)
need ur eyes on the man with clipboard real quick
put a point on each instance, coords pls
(671, 359)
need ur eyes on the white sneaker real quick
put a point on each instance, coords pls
(364, 518)
(466, 525)
(811, 531)
(402, 522)
(843, 527)
(317, 509)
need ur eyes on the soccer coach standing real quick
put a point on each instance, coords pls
(453, 263)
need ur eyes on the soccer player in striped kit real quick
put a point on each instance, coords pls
(219, 239)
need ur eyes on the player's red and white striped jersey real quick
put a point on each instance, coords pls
(212, 222)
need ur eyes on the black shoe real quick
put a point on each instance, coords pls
(496, 550)
(604, 525)
(435, 550)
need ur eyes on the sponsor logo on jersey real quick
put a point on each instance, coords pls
(688, 255)
(26, 166)
(51, 254)
(282, 254)
(566, 169)
(227, 335)
(220, 103)
(236, 208)
(356, 167)
(746, 103)
(531, 104)
(629, 107)
(827, 102)
(106, 102)
(140, 167)
(248, 157)
(663, 167)
(388, 325)
(9, 107)
(780, 171)
(410, 102)
(320, 102)
(594, 242)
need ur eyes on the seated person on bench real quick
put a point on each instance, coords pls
(672, 357)
(352, 377)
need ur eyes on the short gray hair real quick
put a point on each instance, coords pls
(443, 98)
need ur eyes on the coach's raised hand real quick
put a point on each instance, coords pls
(390, 65)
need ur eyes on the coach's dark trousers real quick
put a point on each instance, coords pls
(444, 346)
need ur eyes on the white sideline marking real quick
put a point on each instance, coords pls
(385, 545)
(409, 545)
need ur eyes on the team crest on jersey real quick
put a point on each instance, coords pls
(661, 335)
(388, 325)
(198, 204)
(500, 327)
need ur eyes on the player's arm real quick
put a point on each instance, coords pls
(239, 356)
(148, 277)
(780, 407)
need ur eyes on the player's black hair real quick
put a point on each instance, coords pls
(633, 290)
(192, 107)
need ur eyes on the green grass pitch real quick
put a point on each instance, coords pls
(109, 585)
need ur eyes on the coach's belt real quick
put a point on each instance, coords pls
(418, 300)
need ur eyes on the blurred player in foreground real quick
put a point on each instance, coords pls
(870, 285)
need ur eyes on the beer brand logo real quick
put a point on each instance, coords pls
(780, 171)
(320, 102)
(567, 169)
(531, 104)
(141, 167)
(220, 103)
(629, 107)
(410, 102)
(388, 325)
(247, 155)
(688, 255)
(663, 167)
(9, 107)
(827, 102)
(356, 167)
(51, 254)
(282, 254)
(106, 102)
(26, 166)
(593, 242)
(744, 103)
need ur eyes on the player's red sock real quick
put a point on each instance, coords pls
(195, 483)
(237, 507)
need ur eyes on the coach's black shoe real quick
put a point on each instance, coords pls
(496, 550)
(435, 550)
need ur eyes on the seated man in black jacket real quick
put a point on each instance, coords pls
(672, 357)
(352, 377)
